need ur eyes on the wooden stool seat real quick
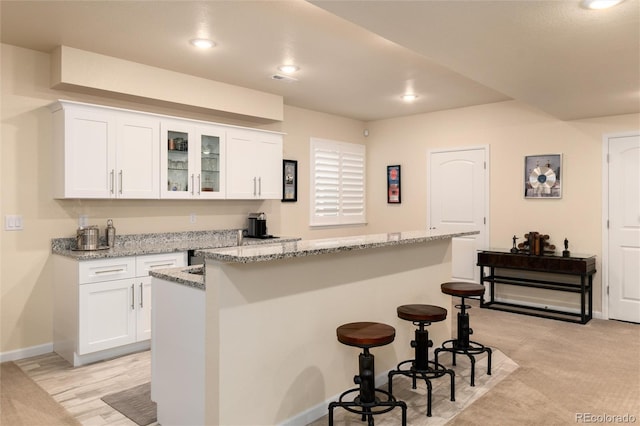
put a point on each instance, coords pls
(463, 289)
(366, 334)
(422, 313)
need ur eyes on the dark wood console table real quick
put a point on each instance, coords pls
(503, 269)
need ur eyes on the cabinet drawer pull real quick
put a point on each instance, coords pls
(132, 298)
(109, 271)
(162, 265)
(141, 297)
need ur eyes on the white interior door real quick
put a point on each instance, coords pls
(458, 200)
(624, 228)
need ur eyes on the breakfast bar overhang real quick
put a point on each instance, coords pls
(271, 354)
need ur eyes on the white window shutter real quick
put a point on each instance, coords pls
(337, 183)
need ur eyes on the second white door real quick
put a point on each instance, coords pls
(458, 201)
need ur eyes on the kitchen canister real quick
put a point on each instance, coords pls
(110, 233)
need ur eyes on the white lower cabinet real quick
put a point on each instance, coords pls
(102, 307)
(107, 315)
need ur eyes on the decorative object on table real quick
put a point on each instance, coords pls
(514, 249)
(566, 252)
(542, 176)
(394, 195)
(110, 232)
(536, 244)
(289, 180)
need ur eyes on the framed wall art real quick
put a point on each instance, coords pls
(542, 176)
(394, 195)
(289, 180)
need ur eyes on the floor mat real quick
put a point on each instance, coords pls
(135, 403)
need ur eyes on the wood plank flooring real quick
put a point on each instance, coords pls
(79, 389)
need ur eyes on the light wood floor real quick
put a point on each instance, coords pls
(79, 390)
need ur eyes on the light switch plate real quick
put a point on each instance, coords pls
(13, 222)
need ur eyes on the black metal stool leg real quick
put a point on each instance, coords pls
(421, 367)
(462, 344)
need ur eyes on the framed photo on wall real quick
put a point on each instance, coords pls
(542, 176)
(289, 180)
(394, 195)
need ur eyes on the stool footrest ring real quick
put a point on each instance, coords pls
(368, 409)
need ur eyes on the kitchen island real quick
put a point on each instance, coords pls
(270, 350)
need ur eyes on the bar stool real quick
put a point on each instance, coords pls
(462, 344)
(420, 366)
(367, 335)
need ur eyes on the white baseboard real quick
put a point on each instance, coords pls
(314, 413)
(26, 352)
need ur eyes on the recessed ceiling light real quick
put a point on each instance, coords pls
(288, 69)
(599, 4)
(202, 43)
(409, 97)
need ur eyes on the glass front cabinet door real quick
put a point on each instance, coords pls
(193, 159)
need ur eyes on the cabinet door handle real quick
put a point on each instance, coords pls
(109, 271)
(254, 186)
(141, 297)
(133, 295)
(260, 186)
(162, 265)
(199, 184)
(112, 182)
(120, 189)
(192, 185)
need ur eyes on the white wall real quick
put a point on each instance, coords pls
(512, 130)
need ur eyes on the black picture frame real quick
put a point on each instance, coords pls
(289, 181)
(394, 190)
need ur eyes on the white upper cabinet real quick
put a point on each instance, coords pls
(192, 160)
(105, 153)
(137, 157)
(254, 165)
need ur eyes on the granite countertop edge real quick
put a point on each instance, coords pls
(143, 244)
(284, 250)
(288, 249)
(181, 275)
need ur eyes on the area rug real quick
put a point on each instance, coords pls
(443, 410)
(23, 402)
(134, 403)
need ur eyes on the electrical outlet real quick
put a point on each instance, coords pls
(83, 220)
(192, 218)
(13, 222)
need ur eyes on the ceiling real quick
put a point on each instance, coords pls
(358, 57)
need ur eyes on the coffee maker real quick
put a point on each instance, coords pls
(257, 225)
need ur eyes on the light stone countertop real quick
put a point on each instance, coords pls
(182, 275)
(288, 249)
(166, 242)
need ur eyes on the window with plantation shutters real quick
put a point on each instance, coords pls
(337, 183)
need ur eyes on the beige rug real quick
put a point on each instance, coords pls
(134, 403)
(23, 402)
(442, 409)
